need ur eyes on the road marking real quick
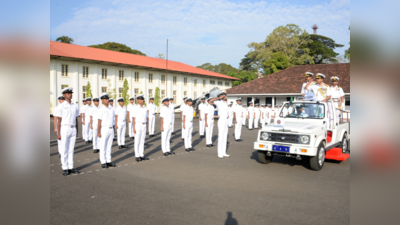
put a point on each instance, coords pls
(97, 170)
(88, 171)
(52, 165)
(126, 164)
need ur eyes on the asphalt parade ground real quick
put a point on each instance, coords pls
(195, 187)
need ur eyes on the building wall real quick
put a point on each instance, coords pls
(75, 79)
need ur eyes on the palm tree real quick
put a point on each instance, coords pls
(65, 39)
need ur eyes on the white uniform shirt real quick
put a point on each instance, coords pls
(267, 112)
(230, 111)
(307, 93)
(106, 115)
(210, 113)
(257, 112)
(172, 107)
(189, 114)
(285, 111)
(320, 92)
(129, 109)
(88, 112)
(83, 109)
(152, 109)
(239, 111)
(68, 113)
(113, 109)
(273, 112)
(336, 92)
(202, 108)
(250, 111)
(95, 116)
(222, 108)
(167, 114)
(291, 110)
(140, 114)
(121, 113)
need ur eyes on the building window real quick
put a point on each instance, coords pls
(85, 72)
(84, 91)
(185, 81)
(195, 83)
(195, 94)
(185, 94)
(64, 86)
(212, 81)
(136, 92)
(162, 94)
(204, 93)
(121, 75)
(104, 74)
(204, 83)
(163, 79)
(174, 80)
(64, 70)
(120, 92)
(174, 96)
(150, 78)
(226, 83)
(150, 93)
(219, 82)
(136, 76)
(103, 89)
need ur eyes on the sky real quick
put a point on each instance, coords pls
(204, 31)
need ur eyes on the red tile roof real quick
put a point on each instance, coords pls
(89, 53)
(290, 80)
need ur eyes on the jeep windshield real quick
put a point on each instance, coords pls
(303, 110)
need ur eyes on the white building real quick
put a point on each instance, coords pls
(75, 66)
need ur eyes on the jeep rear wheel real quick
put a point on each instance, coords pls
(317, 162)
(263, 158)
(344, 145)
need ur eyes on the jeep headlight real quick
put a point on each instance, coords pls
(304, 139)
(264, 136)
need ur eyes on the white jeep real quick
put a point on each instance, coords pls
(306, 131)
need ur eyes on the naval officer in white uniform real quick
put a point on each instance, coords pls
(166, 118)
(87, 113)
(172, 106)
(209, 121)
(152, 116)
(94, 122)
(250, 111)
(182, 108)
(67, 130)
(129, 109)
(223, 115)
(82, 115)
(120, 121)
(55, 112)
(308, 95)
(188, 124)
(202, 111)
(238, 115)
(140, 118)
(105, 131)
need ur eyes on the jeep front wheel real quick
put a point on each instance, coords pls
(317, 162)
(263, 158)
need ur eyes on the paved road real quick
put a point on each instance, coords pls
(196, 187)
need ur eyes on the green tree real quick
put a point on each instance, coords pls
(65, 39)
(286, 39)
(277, 61)
(244, 76)
(111, 91)
(160, 56)
(157, 97)
(113, 46)
(221, 68)
(88, 90)
(125, 94)
(347, 52)
(321, 49)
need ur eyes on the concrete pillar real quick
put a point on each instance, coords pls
(273, 101)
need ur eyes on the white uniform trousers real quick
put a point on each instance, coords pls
(256, 122)
(173, 122)
(121, 133)
(166, 137)
(222, 136)
(131, 134)
(83, 132)
(244, 121)
(338, 112)
(67, 144)
(96, 139)
(188, 134)
(152, 120)
(183, 131)
(251, 119)
(88, 131)
(230, 120)
(238, 128)
(202, 125)
(262, 122)
(106, 141)
(209, 131)
(139, 139)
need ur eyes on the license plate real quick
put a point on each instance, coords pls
(280, 148)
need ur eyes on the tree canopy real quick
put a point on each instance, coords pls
(221, 68)
(321, 49)
(347, 52)
(113, 46)
(65, 39)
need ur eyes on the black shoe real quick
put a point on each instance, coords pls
(59, 156)
(170, 141)
(208, 146)
(227, 142)
(171, 153)
(138, 159)
(104, 165)
(65, 172)
(173, 133)
(74, 171)
(94, 151)
(111, 164)
(240, 140)
(124, 146)
(166, 154)
(119, 147)
(145, 144)
(212, 145)
(187, 149)
(114, 139)
(91, 142)
(183, 139)
(144, 158)
(87, 142)
(237, 140)
(132, 138)
(192, 149)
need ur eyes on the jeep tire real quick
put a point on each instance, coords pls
(263, 158)
(317, 162)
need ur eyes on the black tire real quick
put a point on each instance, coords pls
(263, 158)
(315, 162)
(344, 144)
